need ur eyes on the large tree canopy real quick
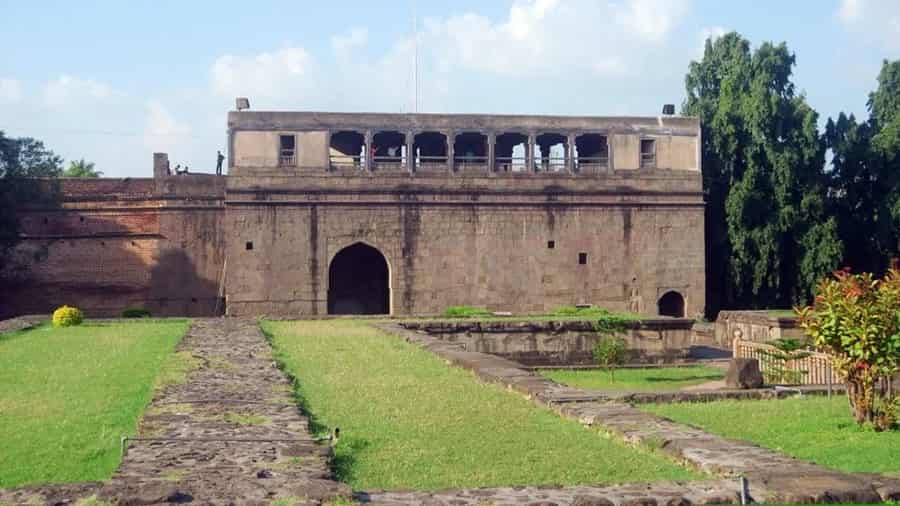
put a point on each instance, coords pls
(864, 191)
(768, 237)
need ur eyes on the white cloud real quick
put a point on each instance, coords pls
(537, 40)
(652, 19)
(67, 90)
(10, 91)
(344, 45)
(849, 10)
(875, 20)
(267, 75)
(162, 132)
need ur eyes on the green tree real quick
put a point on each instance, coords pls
(81, 168)
(769, 239)
(864, 180)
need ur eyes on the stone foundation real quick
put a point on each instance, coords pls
(658, 340)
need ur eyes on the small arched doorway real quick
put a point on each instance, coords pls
(358, 281)
(671, 304)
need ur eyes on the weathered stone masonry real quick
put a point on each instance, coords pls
(377, 213)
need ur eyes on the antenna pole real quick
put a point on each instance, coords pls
(415, 58)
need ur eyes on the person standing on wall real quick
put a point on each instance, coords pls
(219, 159)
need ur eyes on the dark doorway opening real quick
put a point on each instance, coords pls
(358, 282)
(671, 304)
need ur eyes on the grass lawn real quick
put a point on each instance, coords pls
(811, 428)
(408, 421)
(67, 395)
(635, 380)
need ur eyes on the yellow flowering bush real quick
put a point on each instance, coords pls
(66, 316)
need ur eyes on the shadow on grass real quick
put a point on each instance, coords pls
(706, 377)
(348, 446)
(21, 333)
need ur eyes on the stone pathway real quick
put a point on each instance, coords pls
(772, 476)
(231, 434)
(633, 494)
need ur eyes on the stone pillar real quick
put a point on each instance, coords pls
(529, 153)
(160, 171)
(545, 157)
(328, 166)
(369, 158)
(491, 142)
(160, 165)
(570, 153)
(451, 139)
(410, 154)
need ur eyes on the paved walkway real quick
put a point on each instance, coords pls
(773, 477)
(231, 433)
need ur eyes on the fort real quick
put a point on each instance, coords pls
(343, 213)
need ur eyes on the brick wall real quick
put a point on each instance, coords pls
(108, 244)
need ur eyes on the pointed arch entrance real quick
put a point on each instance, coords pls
(358, 281)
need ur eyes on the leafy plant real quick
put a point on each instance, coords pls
(136, 312)
(609, 352)
(67, 316)
(465, 312)
(779, 370)
(856, 319)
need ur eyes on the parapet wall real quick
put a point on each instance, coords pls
(757, 326)
(659, 340)
(106, 244)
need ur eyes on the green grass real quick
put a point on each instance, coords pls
(811, 428)
(67, 395)
(409, 421)
(465, 312)
(636, 380)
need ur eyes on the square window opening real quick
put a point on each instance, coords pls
(287, 150)
(551, 244)
(248, 246)
(582, 258)
(648, 153)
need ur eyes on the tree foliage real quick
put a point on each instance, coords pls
(769, 238)
(864, 183)
(81, 168)
(855, 318)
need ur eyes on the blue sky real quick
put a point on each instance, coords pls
(114, 81)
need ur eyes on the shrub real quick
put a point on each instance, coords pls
(67, 316)
(465, 311)
(135, 312)
(855, 319)
(609, 352)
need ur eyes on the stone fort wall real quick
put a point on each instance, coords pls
(485, 243)
(262, 240)
(109, 244)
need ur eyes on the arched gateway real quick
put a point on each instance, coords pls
(358, 282)
(671, 304)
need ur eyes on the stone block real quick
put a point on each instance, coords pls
(744, 373)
